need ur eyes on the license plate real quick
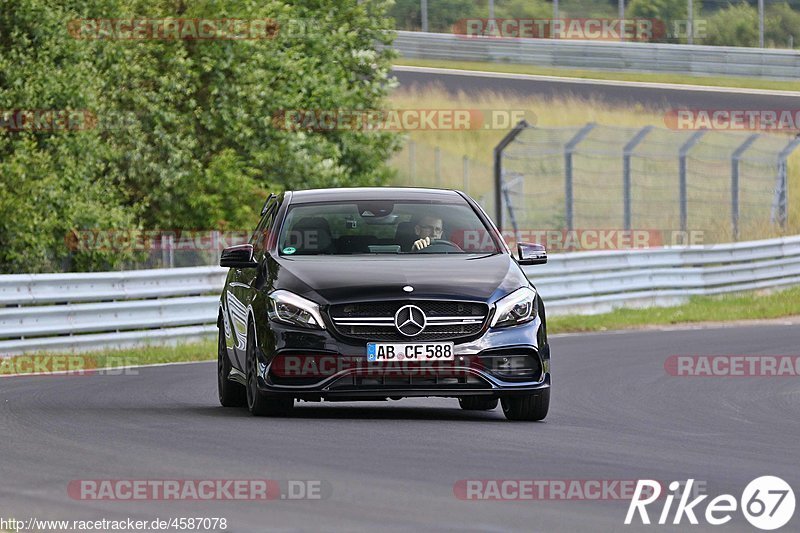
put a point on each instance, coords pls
(396, 351)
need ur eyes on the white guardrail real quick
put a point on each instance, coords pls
(85, 311)
(610, 55)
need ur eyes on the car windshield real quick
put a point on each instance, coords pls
(384, 227)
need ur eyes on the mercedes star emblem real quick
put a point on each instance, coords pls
(410, 320)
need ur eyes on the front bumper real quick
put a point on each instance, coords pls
(315, 365)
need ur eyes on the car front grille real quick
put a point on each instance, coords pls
(374, 321)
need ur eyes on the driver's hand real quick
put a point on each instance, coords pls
(422, 243)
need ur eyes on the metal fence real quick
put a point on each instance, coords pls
(601, 55)
(422, 165)
(729, 186)
(89, 311)
(83, 311)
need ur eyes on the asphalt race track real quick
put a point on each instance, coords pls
(616, 415)
(655, 96)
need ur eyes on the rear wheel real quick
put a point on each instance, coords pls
(258, 403)
(477, 403)
(231, 394)
(533, 407)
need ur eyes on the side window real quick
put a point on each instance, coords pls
(261, 234)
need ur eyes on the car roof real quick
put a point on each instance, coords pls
(373, 193)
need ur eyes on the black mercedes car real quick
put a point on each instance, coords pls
(378, 294)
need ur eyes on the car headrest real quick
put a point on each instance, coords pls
(405, 235)
(311, 235)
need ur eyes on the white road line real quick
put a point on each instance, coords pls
(591, 81)
(692, 326)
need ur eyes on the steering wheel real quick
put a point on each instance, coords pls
(439, 246)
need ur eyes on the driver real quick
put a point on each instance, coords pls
(429, 228)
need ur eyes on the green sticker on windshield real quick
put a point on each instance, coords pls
(289, 250)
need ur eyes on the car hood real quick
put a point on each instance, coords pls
(484, 278)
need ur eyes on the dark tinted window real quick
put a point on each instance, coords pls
(384, 227)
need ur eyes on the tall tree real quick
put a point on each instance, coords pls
(185, 135)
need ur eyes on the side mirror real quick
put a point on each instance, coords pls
(531, 254)
(240, 256)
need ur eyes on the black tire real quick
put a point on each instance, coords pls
(477, 403)
(531, 408)
(231, 394)
(259, 404)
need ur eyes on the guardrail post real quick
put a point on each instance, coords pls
(498, 170)
(737, 155)
(171, 242)
(684, 151)
(569, 149)
(780, 213)
(626, 171)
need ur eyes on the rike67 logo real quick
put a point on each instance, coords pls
(767, 503)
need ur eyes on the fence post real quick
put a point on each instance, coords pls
(737, 155)
(569, 149)
(437, 165)
(626, 171)
(779, 203)
(684, 151)
(171, 250)
(465, 160)
(498, 170)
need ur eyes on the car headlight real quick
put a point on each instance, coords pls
(516, 308)
(289, 308)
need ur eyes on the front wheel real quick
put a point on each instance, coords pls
(231, 394)
(477, 403)
(532, 408)
(258, 403)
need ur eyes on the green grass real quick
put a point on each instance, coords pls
(146, 355)
(683, 79)
(197, 351)
(744, 306)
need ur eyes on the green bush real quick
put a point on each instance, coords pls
(736, 25)
(442, 14)
(781, 23)
(669, 12)
(534, 9)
